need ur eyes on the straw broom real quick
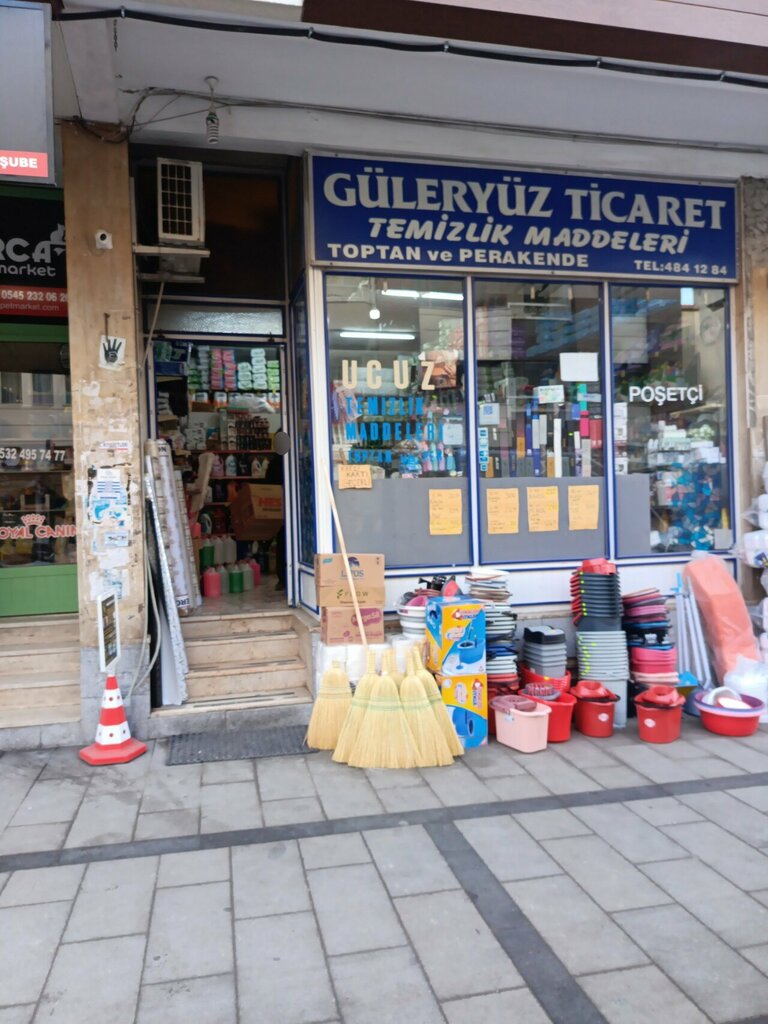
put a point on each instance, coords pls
(431, 744)
(385, 740)
(332, 703)
(356, 713)
(389, 667)
(439, 709)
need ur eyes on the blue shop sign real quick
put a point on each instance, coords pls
(402, 214)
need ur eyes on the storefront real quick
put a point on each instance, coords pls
(38, 536)
(531, 368)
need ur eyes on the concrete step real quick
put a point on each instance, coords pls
(43, 657)
(245, 680)
(270, 699)
(242, 649)
(18, 718)
(40, 690)
(39, 629)
(197, 626)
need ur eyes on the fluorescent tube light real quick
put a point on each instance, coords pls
(447, 296)
(400, 293)
(378, 335)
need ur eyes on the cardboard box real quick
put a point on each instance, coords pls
(466, 698)
(339, 625)
(455, 628)
(257, 512)
(332, 587)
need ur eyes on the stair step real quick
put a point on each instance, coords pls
(42, 657)
(245, 680)
(18, 718)
(39, 629)
(270, 699)
(196, 627)
(241, 649)
(40, 690)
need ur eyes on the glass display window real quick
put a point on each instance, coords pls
(396, 351)
(540, 423)
(671, 419)
(37, 502)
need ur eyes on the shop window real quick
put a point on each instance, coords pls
(37, 502)
(670, 419)
(397, 408)
(540, 436)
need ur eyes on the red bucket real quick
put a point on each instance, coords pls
(562, 683)
(594, 717)
(658, 724)
(559, 728)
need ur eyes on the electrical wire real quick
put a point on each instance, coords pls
(315, 35)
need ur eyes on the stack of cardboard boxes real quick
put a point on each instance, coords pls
(338, 622)
(456, 654)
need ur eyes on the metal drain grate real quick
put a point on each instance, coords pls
(200, 747)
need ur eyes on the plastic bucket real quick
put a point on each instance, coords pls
(658, 724)
(561, 716)
(525, 731)
(594, 717)
(562, 683)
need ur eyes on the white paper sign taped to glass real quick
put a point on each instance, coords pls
(402, 213)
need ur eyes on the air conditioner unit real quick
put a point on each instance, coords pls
(180, 206)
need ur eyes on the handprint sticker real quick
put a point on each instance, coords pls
(111, 352)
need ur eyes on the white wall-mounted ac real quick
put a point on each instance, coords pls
(180, 205)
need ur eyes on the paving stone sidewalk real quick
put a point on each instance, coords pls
(623, 883)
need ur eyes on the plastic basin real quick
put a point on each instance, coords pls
(731, 721)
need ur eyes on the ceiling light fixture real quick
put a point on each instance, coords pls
(361, 333)
(212, 118)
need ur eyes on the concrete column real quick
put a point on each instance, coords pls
(105, 408)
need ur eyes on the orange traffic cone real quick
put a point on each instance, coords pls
(113, 737)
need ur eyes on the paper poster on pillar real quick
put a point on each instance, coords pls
(111, 352)
(105, 580)
(108, 503)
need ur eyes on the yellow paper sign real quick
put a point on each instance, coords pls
(543, 509)
(503, 510)
(357, 476)
(445, 513)
(583, 507)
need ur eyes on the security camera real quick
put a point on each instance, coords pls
(103, 240)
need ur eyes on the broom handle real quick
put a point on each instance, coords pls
(345, 557)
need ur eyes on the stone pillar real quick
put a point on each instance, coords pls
(105, 408)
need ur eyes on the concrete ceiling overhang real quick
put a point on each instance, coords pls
(729, 37)
(285, 93)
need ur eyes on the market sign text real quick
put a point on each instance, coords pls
(408, 214)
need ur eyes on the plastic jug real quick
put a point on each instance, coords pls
(247, 572)
(218, 550)
(235, 578)
(211, 583)
(230, 549)
(206, 554)
(256, 568)
(224, 577)
(230, 465)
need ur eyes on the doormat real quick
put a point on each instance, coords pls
(239, 745)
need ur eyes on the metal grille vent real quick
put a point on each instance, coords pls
(180, 215)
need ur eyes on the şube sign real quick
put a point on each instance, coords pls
(403, 214)
(33, 263)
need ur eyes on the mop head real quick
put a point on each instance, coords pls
(439, 710)
(332, 703)
(384, 741)
(431, 744)
(356, 712)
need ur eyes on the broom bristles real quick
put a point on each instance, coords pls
(389, 667)
(431, 744)
(437, 704)
(356, 713)
(332, 703)
(384, 740)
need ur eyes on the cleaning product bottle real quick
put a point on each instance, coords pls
(230, 465)
(224, 577)
(230, 549)
(247, 572)
(218, 550)
(206, 554)
(235, 578)
(211, 583)
(256, 570)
